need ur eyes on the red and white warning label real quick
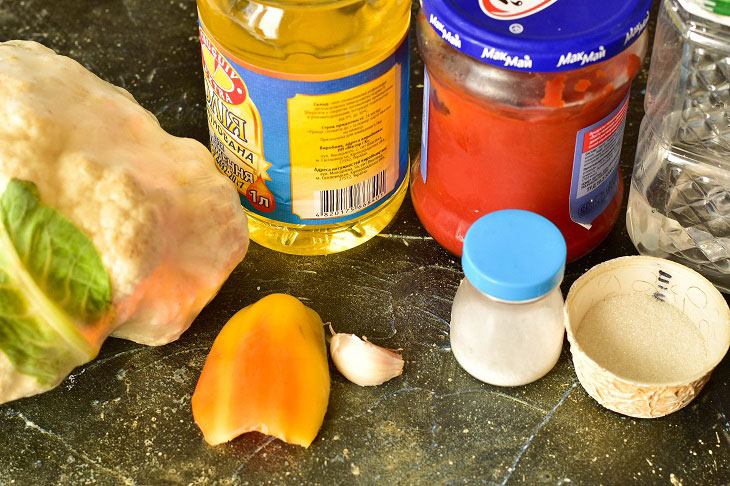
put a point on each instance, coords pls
(601, 151)
(595, 167)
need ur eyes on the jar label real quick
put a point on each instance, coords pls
(425, 123)
(308, 151)
(595, 166)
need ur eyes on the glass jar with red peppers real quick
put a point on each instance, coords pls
(524, 108)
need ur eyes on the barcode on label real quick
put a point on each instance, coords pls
(351, 199)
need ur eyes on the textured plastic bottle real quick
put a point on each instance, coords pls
(317, 47)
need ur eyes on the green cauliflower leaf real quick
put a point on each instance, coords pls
(53, 287)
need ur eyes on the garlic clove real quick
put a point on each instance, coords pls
(363, 362)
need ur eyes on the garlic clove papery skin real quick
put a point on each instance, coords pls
(362, 362)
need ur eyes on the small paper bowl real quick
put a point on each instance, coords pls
(677, 285)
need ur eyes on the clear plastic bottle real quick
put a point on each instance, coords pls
(679, 203)
(507, 317)
(307, 106)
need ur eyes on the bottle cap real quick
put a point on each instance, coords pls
(514, 255)
(538, 35)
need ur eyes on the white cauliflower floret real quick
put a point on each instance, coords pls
(167, 225)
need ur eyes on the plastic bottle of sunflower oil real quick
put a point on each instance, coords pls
(307, 104)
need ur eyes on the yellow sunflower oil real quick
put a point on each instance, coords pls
(307, 105)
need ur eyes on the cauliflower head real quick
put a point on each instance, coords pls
(167, 226)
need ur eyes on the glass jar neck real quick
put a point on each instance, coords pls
(553, 96)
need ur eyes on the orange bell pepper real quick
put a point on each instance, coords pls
(267, 372)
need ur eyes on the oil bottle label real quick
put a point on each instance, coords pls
(595, 167)
(308, 151)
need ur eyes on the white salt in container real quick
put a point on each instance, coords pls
(507, 317)
(657, 329)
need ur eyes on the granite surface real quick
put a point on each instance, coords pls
(126, 419)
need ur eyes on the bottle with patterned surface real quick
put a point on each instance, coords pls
(679, 204)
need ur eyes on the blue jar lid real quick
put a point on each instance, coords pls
(538, 35)
(514, 255)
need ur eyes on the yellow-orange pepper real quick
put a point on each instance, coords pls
(267, 372)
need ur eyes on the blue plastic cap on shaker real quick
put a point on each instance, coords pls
(514, 255)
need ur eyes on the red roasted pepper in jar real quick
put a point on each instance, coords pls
(523, 125)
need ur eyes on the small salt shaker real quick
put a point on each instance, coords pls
(507, 318)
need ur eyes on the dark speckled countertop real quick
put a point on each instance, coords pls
(126, 419)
